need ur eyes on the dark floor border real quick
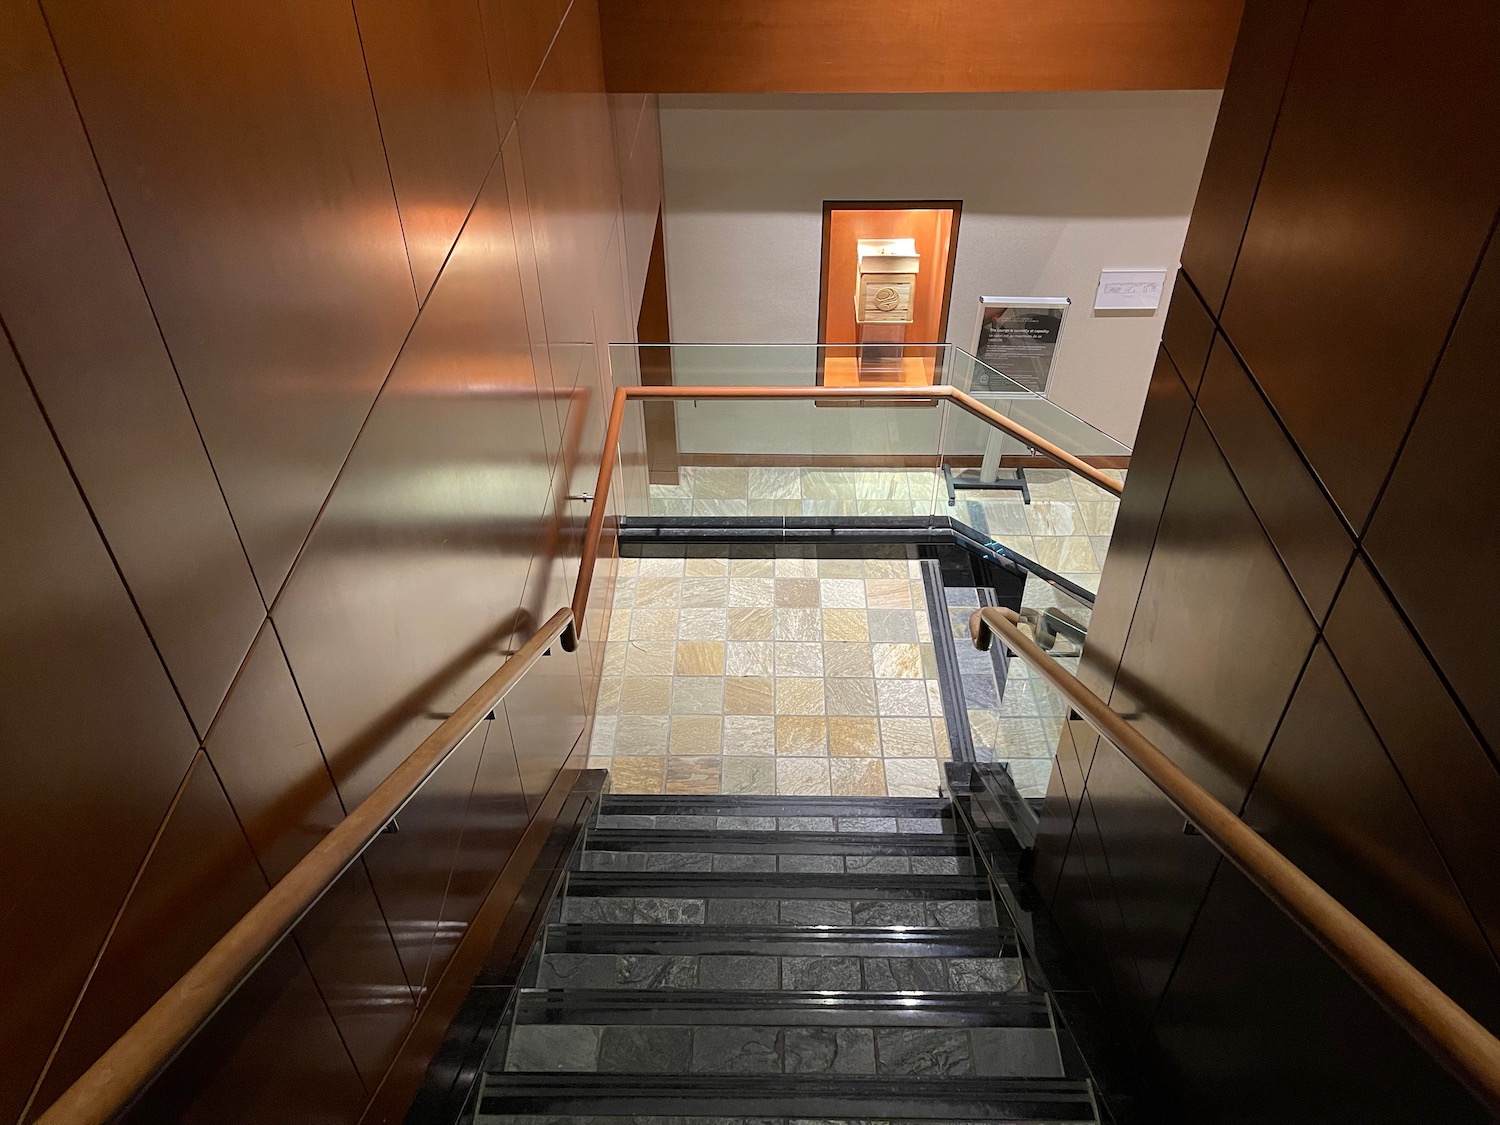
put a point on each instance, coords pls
(996, 565)
(950, 683)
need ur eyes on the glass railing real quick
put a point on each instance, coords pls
(870, 458)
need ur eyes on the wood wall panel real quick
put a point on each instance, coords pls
(1373, 184)
(888, 46)
(1442, 482)
(1258, 73)
(431, 77)
(1302, 525)
(1382, 777)
(200, 878)
(96, 743)
(256, 160)
(268, 759)
(84, 330)
(266, 235)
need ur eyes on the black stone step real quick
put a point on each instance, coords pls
(785, 1009)
(800, 1096)
(763, 806)
(776, 842)
(851, 941)
(830, 969)
(702, 885)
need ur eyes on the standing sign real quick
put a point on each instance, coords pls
(1017, 336)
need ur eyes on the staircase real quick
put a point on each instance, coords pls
(778, 959)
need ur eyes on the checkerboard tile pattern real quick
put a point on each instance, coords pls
(786, 676)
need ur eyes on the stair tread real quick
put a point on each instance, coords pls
(773, 884)
(583, 937)
(785, 1009)
(798, 1096)
(726, 840)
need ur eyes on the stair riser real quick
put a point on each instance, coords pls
(771, 974)
(720, 863)
(996, 1052)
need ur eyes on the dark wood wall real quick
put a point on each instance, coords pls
(1297, 606)
(303, 304)
(896, 46)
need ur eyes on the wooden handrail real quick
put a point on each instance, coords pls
(1458, 1041)
(118, 1076)
(950, 394)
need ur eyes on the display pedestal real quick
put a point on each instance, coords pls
(881, 352)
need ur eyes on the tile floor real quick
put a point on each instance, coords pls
(786, 676)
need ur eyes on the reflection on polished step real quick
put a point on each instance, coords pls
(742, 959)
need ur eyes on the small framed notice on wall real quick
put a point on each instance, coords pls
(1130, 289)
(1017, 337)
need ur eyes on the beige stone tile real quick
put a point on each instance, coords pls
(693, 775)
(641, 734)
(796, 568)
(799, 658)
(1050, 484)
(716, 482)
(804, 777)
(1098, 518)
(796, 696)
(1065, 553)
(940, 737)
(841, 568)
(901, 697)
(653, 624)
(751, 591)
(846, 625)
(597, 762)
(850, 696)
(842, 593)
(857, 777)
(749, 695)
(887, 593)
(934, 697)
(775, 483)
(798, 624)
(903, 737)
(750, 735)
(699, 658)
(706, 568)
(705, 592)
(897, 661)
(842, 658)
(608, 701)
(652, 592)
(645, 695)
(697, 695)
(703, 625)
(695, 734)
(615, 648)
(798, 592)
(637, 775)
(746, 624)
(750, 658)
(602, 737)
(661, 568)
(749, 775)
(911, 777)
(1024, 738)
(752, 568)
(1054, 517)
(628, 566)
(885, 568)
(827, 484)
(982, 727)
(649, 658)
(801, 736)
(853, 737)
(929, 661)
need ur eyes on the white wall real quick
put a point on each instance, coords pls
(1055, 187)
